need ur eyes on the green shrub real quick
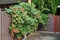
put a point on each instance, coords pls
(58, 2)
(46, 4)
(24, 19)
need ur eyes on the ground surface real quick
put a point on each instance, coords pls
(44, 36)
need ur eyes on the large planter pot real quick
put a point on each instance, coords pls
(44, 35)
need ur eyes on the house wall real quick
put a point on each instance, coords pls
(7, 1)
(10, 1)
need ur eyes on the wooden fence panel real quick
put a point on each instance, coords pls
(5, 27)
(5, 23)
(58, 23)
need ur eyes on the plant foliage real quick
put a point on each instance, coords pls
(46, 4)
(24, 19)
(58, 2)
(52, 5)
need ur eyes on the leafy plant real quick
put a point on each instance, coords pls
(24, 19)
(46, 4)
(41, 5)
(58, 2)
(52, 5)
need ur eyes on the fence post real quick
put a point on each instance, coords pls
(29, 1)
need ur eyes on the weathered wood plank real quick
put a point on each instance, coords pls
(58, 23)
(5, 27)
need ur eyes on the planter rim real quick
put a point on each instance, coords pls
(47, 32)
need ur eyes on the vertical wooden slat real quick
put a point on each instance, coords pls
(55, 24)
(7, 28)
(0, 24)
(3, 27)
(58, 23)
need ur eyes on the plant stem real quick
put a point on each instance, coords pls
(24, 37)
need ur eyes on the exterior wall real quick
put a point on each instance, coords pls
(10, 1)
(7, 1)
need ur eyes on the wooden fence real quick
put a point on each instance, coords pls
(4, 26)
(5, 21)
